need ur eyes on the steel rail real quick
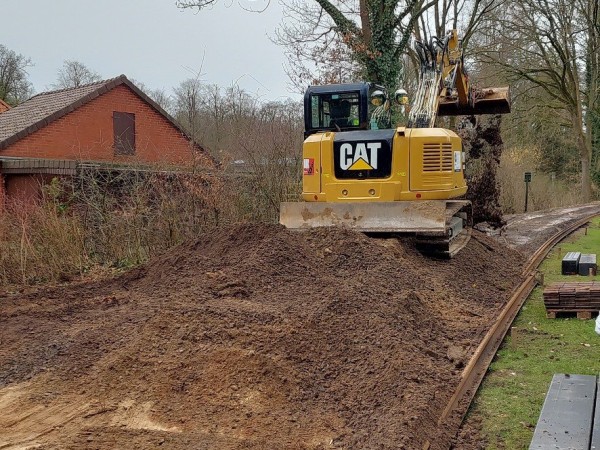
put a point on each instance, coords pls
(473, 374)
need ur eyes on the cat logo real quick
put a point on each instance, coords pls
(363, 157)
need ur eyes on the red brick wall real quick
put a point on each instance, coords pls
(87, 134)
(25, 187)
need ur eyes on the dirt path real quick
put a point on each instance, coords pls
(251, 337)
(527, 232)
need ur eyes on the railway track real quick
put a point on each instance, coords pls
(474, 372)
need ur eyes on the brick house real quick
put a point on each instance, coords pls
(110, 123)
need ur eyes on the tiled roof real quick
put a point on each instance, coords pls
(4, 106)
(35, 112)
(44, 108)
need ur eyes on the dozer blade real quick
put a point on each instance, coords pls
(485, 101)
(438, 224)
(373, 217)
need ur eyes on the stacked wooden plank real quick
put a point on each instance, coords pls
(581, 297)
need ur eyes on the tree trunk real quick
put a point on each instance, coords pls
(593, 86)
(586, 184)
(585, 153)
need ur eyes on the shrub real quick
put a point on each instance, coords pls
(121, 218)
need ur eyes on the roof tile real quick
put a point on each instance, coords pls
(38, 108)
(46, 107)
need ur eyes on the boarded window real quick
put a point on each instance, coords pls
(124, 131)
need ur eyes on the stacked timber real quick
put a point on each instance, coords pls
(570, 296)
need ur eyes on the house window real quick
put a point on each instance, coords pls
(124, 133)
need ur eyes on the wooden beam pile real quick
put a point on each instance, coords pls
(572, 296)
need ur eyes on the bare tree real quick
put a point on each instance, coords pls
(267, 140)
(327, 62)
(214, 118)
(463, 15)
(264, 141)
(187, 104)
(14, 84)
(239, 103)
(592, 81)
(75, 74)
(346, 40)
(548, 44)
(161, 97)
(375, 31)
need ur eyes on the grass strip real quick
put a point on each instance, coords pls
(512, 394)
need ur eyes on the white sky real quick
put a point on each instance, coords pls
(151, 41)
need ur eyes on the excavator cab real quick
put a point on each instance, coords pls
(339, 107)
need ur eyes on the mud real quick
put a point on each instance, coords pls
(251, 337)
(483, 146)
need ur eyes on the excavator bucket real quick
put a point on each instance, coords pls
(484, 101)
(436, 223)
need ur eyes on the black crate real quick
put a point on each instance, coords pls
(587, 262)
(570, 263)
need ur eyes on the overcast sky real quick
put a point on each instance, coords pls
(151, 41)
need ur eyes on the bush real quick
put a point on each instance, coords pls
(38, 242)
(121, 218)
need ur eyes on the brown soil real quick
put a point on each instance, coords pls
(483, 145)
(251, 337)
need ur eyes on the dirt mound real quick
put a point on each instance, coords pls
(251, 337)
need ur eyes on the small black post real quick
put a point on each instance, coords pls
(527, 180)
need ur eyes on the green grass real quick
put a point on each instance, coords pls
(511, 396)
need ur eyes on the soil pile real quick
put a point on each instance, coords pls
(251, 337)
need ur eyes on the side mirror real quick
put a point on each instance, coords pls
(377, 98)
(401, 97)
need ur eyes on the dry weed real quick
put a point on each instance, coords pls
(121, 218)
(545, 190)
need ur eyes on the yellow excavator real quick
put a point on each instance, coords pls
(360, 172)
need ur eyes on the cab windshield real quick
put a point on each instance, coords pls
(336, 111)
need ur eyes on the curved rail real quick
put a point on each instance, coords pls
(473, 374)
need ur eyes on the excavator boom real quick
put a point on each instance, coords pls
(444, 85)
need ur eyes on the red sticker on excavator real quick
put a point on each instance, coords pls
(309, 166)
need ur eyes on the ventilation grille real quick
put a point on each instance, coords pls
(437, 157)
